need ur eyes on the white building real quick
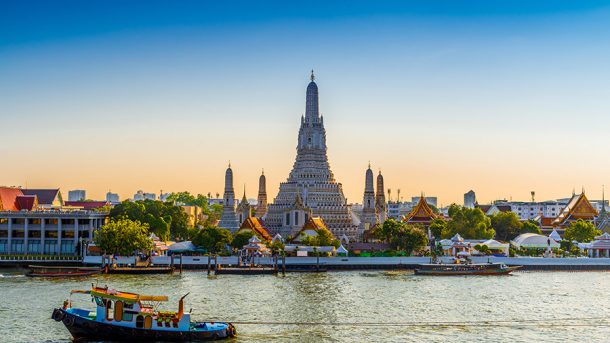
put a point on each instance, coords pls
(140, 195)
(112, 198)
(77, 195)
(470, 199)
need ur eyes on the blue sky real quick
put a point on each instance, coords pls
(429, 91)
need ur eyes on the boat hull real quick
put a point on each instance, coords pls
(458, 272)
(84, 329)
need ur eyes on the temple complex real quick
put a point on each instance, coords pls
(261, 206)
(228, 219)
(244, 210)
(602, 222)
(421, 214)
(578, 207)
(311, 188)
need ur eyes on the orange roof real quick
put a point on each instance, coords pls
(579, 207)
(8, 198)
(421, 212)
(256, 225)
(313, 223)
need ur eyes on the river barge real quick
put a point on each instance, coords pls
(446, 269)
(61, 271)
(124, 316)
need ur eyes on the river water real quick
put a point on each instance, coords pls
(542, 302)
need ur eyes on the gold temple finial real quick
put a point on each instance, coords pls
(263, 173)
(369, 164)
(312, 77)
(229, 163)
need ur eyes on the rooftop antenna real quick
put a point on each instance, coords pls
(312, 77)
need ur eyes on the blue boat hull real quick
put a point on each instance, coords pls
(84, 329)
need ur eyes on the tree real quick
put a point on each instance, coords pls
(530, 226)
(581, 231)
(437, 227)
(506, 225)
(123, 237)
(322, 238)
(241, 238)
(386, 231)
(470, 223)
(165, 219)
(213, 239)
(408, 238)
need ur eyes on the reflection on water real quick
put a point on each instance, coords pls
(394, 296)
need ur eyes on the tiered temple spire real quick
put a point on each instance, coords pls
(261, 207)
(380, 203)
(228, 219)
(369, 215)
(311, 182)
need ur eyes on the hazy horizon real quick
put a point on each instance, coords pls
(442, 96)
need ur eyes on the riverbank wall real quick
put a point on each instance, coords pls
(336, 263)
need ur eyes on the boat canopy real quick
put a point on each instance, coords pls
(117, 295)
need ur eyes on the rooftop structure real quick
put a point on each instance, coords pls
(77, 195)
(422, 213)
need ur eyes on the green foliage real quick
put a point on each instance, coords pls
(386, 231)
(470, 223)
(322, 239)
(213, 212)
(165, 220)
(566, 245)
(408, 238)
(506, 225)
(483, 249)
(123, 237)
(530, 226)
(437, 227)
(241, 238)
(581, 231)
(213, 239)
(276, 247)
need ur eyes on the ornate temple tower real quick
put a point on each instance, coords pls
(261, 207)
(311, 188)
(243, 209)
(369, 215)
(228, 219)
(380, 204)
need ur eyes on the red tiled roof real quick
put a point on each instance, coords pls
(26, 202)
(87, 205)
(258, 226)
(8, 198)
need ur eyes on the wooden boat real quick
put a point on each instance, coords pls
(448, 269)
(61, 271)
(123, 316)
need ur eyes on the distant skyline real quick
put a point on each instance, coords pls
(442, 96)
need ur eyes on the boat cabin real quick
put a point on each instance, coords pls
(134, 310)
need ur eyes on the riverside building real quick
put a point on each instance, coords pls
(32, 226)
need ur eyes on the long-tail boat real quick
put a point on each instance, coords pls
(61, 271)
(124, 316)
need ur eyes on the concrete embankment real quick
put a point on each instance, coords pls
(341, 263)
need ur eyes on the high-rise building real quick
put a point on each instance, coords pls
(470, 199)
(141, 195)
(228, 219)
(261, 205)
(311, 188)
(77, 195)
(112, 198)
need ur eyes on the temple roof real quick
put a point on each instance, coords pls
(421, 212)
(256, 225)
(578, 207)
(45, 196)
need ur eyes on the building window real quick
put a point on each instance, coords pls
(287, 218)
(296, 218)
(50, 221)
